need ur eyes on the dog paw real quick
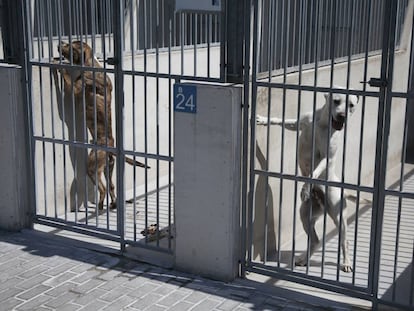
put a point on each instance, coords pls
(260, 120)
(112, 205)
(347, 268)
(305, 192)
(301, 261)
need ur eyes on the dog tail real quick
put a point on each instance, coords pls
(136, 163)
(353, 198)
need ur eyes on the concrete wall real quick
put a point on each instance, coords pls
(207, 183)
(15, 202)
(283, 195)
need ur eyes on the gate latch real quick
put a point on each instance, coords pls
(112, 61)
(376, 82)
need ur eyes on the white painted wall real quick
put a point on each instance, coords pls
(285, 198)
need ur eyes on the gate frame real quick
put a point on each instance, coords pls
(385, 95)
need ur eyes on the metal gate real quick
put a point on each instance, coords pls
(100, 77)
(306, 54)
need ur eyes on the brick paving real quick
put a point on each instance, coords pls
(41, 273)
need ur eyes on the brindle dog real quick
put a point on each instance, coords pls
(96, 89)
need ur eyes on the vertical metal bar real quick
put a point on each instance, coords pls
(195, 39)
(119, 111)
(286, 11)
(245, 134)
(301, 51)
(344, 146)
(52, 104)
(157, 120)
(250, 212)
(271, 24)
(132, 43)
(182, 40)
(383, 122)
(60, 101)
(361, 137)
(27, 53)
(170, 130)
(145, 116)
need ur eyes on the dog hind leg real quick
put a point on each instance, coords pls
(335, 214)
(310, 211)
(108, 176)
(95, 168)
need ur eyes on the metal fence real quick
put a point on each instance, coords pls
(320, 31)
(301, 51)
(141, 49)
(306, 54)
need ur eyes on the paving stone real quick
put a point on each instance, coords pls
(195, 297)
(34, 271)
(115, 294)
(167, 289)
(120, 303)
(11, 282)
(228, 305)
(8, 293)
(61, 278)
(69, 307)
(171, 299)
(60, 289)
(181, 306)
(10, 303)
(60, 269)
(33, 292)
(87, 286)
(136, 282)
(143, 290)
(116, 282)
(34, 303)
(206, 305)
(92, 295)
(156, 308)
(94, 305)
(62, 299)
(146, 301)
(108, 275)
(86, 276)
(80, 268)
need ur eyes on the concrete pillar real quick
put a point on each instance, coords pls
(14, 181)
(207, 180)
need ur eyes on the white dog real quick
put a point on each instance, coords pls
(329, 121)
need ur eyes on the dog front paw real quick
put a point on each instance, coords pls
(305, 192)
(260, 120)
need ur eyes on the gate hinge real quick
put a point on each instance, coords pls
(376, 82)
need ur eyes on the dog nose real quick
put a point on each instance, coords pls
(341, 117)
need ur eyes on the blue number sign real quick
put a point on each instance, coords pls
(185, 98)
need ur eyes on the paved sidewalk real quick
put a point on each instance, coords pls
(41, 273)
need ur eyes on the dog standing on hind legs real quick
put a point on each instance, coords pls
(329, 120)
(96, 89)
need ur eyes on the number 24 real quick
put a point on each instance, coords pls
(185, 103)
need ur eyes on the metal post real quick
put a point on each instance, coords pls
(12, 21)
(384, 113)
(234, 55)
(119, 116)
